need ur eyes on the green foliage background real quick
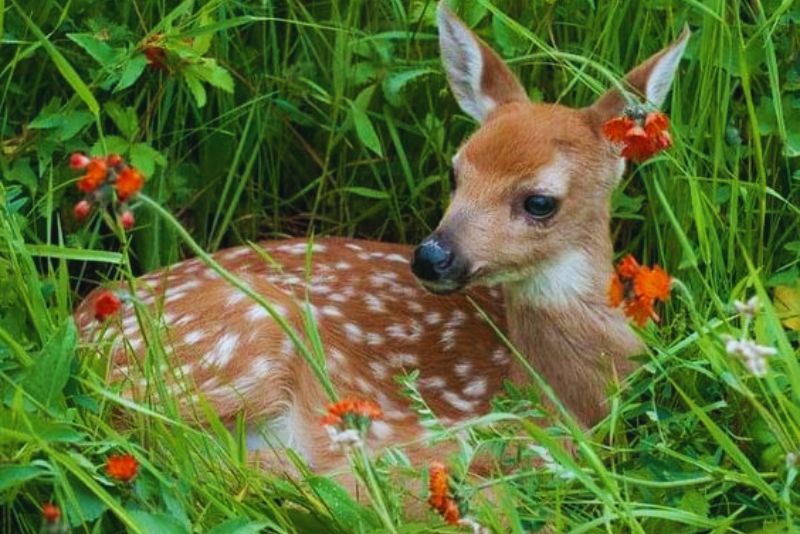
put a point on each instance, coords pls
(333, 117)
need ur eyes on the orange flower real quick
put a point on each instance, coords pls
(640, 309)
(129, 182)
(616, 128)
(105, 305)
(50, 512)
(637, 288)
(440, 499)
(123, 467)
(96, 173)
(351, 408)
(652, 283)
(641, 135)
(616, 291)
(628, 267)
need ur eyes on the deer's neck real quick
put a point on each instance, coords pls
(559, 318)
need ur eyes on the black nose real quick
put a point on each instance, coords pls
(432, 260)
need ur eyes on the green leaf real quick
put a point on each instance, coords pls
(114, 144)
(342, 506)
(46, 378)
(364, 129)
(83, 505)
(63, 66)
(124, 118)
(210, 72)
(145, 158)
(21, 172)
(239, 525)
(161, 523)
(64, 124)
(16, 475)
(133, 70)
(196, 88)
(99, 50)
(394, 84)
(367, 192)
(57, 251)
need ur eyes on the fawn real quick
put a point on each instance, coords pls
(529, 214)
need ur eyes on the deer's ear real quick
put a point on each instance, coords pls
(479, 79)
(651, 80)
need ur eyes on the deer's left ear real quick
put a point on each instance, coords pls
(651, 80)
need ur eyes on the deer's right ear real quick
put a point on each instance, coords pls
(479, 79)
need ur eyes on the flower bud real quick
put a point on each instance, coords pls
(78, 161)
(82, 210)
(127, 219)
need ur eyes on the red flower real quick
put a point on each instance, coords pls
(96, 173)
(156, 57)
(82, 210)
(78, 161)
(106, 304)
(114, 160)
(351, 408)
(123, 467)
(50, 512)
(641, 139)
(127, 220)
(129, 182)
(616, 128)
(637, 289)
(440, 499)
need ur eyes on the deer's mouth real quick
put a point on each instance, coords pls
(443, 287)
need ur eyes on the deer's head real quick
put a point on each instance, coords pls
(532, 184)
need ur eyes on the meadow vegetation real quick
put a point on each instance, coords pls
(266, 119)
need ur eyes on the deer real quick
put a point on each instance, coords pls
(526, 238)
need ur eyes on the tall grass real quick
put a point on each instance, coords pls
(333, 117)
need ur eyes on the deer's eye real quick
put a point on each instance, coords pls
(540, 206)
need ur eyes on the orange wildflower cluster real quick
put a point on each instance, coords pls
(641, 134)
(637, 288)
(106, 304)
(351, 410)
(101, 179)
(440, 498)
(122, 467)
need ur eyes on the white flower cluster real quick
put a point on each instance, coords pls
(549, 463)
(751, 354)
(343, 439)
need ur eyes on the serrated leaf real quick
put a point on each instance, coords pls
(196, 88)
(124, 118)
(99, 50)
(22, 172)
(65, 125)
(210, 72)
(83, 505)
(133, 70)
(787, 304)
(364, 129)
(114, 144)
(46, 378)
(394, 84)
(145, 158)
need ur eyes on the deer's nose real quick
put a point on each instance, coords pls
(433, 260)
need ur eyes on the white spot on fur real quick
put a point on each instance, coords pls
(432, 382)
(457, 402)
(374, 339)
(353, 332)
(396, 257)
(353, 246)
(378, 370)
(463, 369)
(381, 429)
(476, 388)
(433, 318)
(403, 359)
(374, 303)
(500, 356)
(256, 312)
(331, 311)
(222, 352)
(234, 253)
(342, 265)
(337, 297)
(194, 336)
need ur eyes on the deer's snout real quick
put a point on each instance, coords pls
(438, 265)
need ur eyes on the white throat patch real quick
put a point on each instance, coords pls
(558, 282)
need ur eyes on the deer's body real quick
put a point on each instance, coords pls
(529, 214)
